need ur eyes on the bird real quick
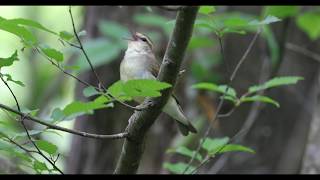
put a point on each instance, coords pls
(139, 62)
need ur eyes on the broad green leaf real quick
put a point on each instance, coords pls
(116, 90)
(235, 147)
(20, 31)
(46, 146)
(200, 42)
(178, 168)
(22, 156)
(66, 35)
(39, 166)
(90, 91)
(275, 82)
(85, 107)
(207, 10)
(236, 22)
(31, 23)
(100, 52)
(9, 61)
(309, 22)
(113, 29)
(144, 88)
(281, 11)
(52, 53)
(214, 145)
(204, 23)
(9, 78)
(57, 114)
(151, 19)
(268, 20)
(260, 99)
(185, 151)
(213, 87)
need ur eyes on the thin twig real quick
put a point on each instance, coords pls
(25, 128)
(84, 51)
(306, 52)
(101, 87)
(52, 126)
(223, 97)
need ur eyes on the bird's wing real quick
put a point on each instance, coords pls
(154, 66)
(154, 69)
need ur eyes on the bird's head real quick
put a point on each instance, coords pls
(139, 42)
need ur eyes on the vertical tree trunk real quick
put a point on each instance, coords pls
(99, 156)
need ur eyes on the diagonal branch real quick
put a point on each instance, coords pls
(140, 122)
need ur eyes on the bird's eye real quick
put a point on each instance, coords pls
(144, 39)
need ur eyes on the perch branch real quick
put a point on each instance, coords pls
(140, 122)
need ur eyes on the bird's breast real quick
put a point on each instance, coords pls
(133, 66)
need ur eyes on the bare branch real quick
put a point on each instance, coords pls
(52, 126)
(233, 75)
(25, 128)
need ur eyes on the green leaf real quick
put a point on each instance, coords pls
(116, 90)
(144, 87)
(22, 156)
(281, 11)
(214, 145)
(207, 9)
(52, 53)
(27, 37)
(233, 22)
(186, 152)
(178, 168)
(200, 42)
(39, 166)
(9, 61)
(31, 23)
(113, 29)
(100, 52)
(275, 82)
(260, 99)
(151, 19)
(66, 35)
(77, 107)
(90, 91)
(268, 20)
(235, 147)
(213, 87)
(74, 68)
(46, 146)
(309, 22)
(9, 78)
(57, 114)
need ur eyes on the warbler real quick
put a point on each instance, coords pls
(139, 62)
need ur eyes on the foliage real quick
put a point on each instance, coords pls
(103, 50)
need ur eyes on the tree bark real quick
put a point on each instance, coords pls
(140, 122)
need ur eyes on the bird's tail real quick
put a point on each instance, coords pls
(173, 109)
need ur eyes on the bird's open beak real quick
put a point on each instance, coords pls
(132, 38)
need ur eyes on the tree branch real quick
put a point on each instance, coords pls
(140, 122)
(52, 126)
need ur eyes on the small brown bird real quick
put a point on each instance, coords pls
(139, 62)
